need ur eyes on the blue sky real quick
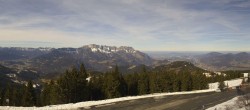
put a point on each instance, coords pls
(160, 25)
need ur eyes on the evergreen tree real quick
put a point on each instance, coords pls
(176, 82)
(186, 82)
(113, 85)
(221, 85)
(29, 95)
(132, 84)
(49, 94)
(45, 97)
(152, 83)
(82, 87)
(64, 89)
(73, 85)
(6, 96)
(96, 88)
(13, 97)
(143, 82)
(1, 96)
(167, 82)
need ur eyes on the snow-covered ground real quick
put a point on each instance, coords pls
(229, 83)
(88, 104)
(228, 105)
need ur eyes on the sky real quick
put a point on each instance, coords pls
(149, 25)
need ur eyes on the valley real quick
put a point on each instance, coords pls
(133, 72)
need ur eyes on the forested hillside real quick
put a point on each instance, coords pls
(77, 85)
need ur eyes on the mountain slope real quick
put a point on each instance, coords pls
(179, 67)
(16, 53)
(220, 61)
(5, 79)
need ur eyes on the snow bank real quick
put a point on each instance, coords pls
(228, 105)
(229, 83)
(87, 104)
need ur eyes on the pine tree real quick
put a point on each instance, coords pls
(186, 82)
(6, 96)
(82, 86)
(221, 85)
(96, 88)
(143, 82)
(166, 82)
(64, 89)
(132, 84)
(50, 94)
(83, 71)
(29, 95)
(13, 96)
(73, 85)
(113, 85)
(1, 96)
(153, 83)
(177, 83)
(45, 97)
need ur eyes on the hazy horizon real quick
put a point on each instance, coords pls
(193, 25)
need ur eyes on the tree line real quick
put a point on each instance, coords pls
(72, 86)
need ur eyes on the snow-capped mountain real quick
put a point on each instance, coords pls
(109, 49)
(95, 57)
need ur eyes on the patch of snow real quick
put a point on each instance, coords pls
(88, 79)
(229, 83)
(93, 49)
(132, 67)
(110, 49)
(19, 82)
(228, 104)
(33, 71)
(45, 49)
(245, 75)
(207, 74)
(11, 75)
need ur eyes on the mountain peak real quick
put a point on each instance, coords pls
(109, 49)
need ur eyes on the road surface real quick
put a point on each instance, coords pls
(175, 102)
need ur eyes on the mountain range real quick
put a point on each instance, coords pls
(224, 61)
(103, 58)
(52, 60)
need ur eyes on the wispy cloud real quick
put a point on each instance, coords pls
(143, 24)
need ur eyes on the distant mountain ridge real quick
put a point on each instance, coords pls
(222, 61)
(95, 57)
(109, 49)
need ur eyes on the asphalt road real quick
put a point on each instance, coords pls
(175, 102)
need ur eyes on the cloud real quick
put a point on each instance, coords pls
(156, 24)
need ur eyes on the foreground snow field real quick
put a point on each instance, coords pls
(228, 105)
(212, 87)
